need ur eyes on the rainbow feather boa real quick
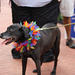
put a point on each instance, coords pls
(30, 42)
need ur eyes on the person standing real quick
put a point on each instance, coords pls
(67, 11)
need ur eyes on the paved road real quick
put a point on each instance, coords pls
(10, 66)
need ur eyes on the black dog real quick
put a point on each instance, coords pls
(50, 38)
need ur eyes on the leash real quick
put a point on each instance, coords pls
(58, 26)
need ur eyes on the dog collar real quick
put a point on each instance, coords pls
(30, 42)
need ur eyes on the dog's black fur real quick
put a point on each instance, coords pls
(50, 38)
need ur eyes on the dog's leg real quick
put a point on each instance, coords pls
(56, 53)
(41, 59)
(38, 64)
(24, 63)
(56, 50)
(55, 65)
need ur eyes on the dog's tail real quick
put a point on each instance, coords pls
(57, 43)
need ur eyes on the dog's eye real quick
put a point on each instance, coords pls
(8, 29)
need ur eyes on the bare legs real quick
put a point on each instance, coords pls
(67, 20)
(69, 42)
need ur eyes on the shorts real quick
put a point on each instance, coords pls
(42, 15)
(67, 8)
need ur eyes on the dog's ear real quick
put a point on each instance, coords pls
(25, 31)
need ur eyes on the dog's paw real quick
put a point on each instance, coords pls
(53, 73)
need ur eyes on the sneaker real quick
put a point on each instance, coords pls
(15, 54)
(70, 43)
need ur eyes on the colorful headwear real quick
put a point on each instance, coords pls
(30, 42)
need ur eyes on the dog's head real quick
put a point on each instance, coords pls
(16, 32)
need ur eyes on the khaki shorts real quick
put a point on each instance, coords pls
(67, 8)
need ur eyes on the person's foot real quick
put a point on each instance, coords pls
(70, 43)
(49, 58)
(15, 54)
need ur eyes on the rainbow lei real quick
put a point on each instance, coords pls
(30, 42)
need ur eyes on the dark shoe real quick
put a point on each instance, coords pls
(49, 59)
(48, 56)
(70, 43)
(15, 54)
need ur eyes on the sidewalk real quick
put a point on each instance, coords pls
(10, 66)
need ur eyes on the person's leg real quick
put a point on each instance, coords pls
(67, 10)
(69, 41)
(67, 20)
(19, 14)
